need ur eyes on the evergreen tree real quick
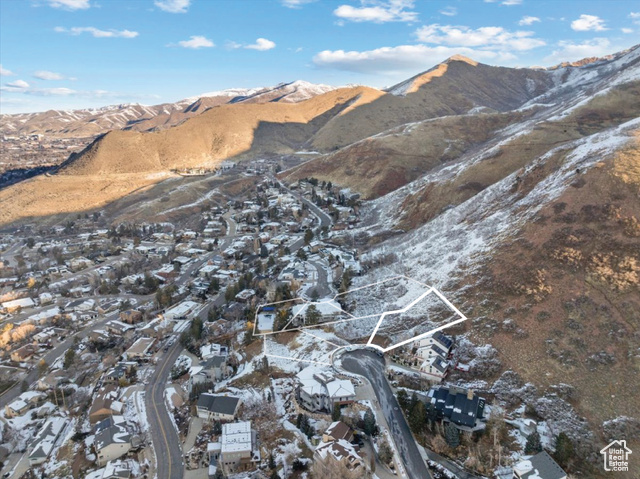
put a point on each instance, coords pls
(369, 423)
(564, 449)
(403, 400)
(272, 461)
(69, 358)
(533, 445)
(336, 413)
(308, 236)
(452, 435)
(313, 315)
(416, 417)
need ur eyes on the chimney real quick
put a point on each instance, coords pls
(469, 394)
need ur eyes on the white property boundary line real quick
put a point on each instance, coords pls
(303, 329)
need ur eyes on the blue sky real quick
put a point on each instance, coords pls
(62, 54)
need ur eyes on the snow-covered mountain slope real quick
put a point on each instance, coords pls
(94, 121)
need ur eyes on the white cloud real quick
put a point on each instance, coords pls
(17, 85)
(5, 73)
(60, 91)
(70, 4)
(508, 3)
(196, 41)
(379, 12)
(588, 23)
(97, 33)
(231, 45)
(173, 6)
(295, 3)
(47, 75)
(261, 44)
(449, 11)
(570, 51)
(401, 59)
(528, 20)
(626, 30)
(487, 37)
(635, 16)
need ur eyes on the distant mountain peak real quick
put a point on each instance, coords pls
(461, 58)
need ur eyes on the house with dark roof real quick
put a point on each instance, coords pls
(432, 353)
(111, 443)
(336, 446)
(338, 430)
(540, 466)
(43, 444)
(462, 407)
(211, 407)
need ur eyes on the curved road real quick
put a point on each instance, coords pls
(371, 366)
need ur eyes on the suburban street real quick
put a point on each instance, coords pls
(13, 392)
(371, 366)
(166, 443)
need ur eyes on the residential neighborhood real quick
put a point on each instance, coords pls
(117, 335)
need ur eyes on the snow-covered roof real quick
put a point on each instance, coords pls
(340, 388)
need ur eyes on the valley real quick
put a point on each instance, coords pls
(181, 238)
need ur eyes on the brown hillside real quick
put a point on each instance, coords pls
(452, 88)
(122, 162)
(383, 163)
(222, 132)
(570, 286)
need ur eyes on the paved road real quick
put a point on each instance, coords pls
(325, 219)
(166, 443)
(322, 286)
(15, 391)
(371, 366)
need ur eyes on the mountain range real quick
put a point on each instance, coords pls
(515, 190)
(95, 121)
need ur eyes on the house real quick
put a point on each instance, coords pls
(328, 309)
(22, 354)
(439, 339)
(238, 448)
(140, 349)
(217, 367)
(319, 390)
(17, 304)
(336, 446)
(105, 404)
(540, 466)
(337, 430)
(111, 443)
(16, 408)
(213, 349)
(223, 408)
(119, 371)
(118, 327)
(432, 353)
(157, 328)
(131, 316)
(43, 443)
(113, 470)
(460, 406)
(182, 310)
(245, 295)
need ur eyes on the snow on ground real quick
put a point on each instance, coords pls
(435, 252)
(312, 346)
